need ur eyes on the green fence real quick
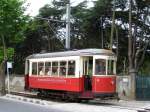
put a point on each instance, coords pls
(143, 88)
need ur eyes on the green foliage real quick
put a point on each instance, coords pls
(10, 54)
(86, 28)
(145, 69)
(12, 20)
(12, 26)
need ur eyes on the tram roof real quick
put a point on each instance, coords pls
(82, 52)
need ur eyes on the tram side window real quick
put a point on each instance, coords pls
(62, 70)
(41, 68)
(71, 68)
(34, 68)
(100, 67)
(54, 68)
(48, 69)
(110, 67)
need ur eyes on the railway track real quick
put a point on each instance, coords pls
(24, 94)
(105, 104)
(35, 96)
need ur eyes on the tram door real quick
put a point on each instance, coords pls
(26, 74)
(87, 71)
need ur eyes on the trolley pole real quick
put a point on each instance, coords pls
(68, 26)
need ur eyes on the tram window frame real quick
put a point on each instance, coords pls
(48, 68)
(57, 69)
(36, 70)
(61, 64)
(72, 66)
(111, 67)
(41, 68)
(97, 63)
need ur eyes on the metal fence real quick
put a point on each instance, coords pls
(143, 87)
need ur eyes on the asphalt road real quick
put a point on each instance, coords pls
(11, 104)
(7, 105)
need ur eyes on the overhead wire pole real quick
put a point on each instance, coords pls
(113, 25)
(68, 26)
(102, 36)
(48, 21)
(68, 10)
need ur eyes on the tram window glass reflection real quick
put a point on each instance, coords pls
(48, 69)
(110, 67)
(71, 68)
(41, 68)
(100, 67)
(34, 68)
(62, 70)
(54, 68)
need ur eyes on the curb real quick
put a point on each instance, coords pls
(25, 99)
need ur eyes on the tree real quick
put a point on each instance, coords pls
(86, 28)
(42, 35)
(11, 26)
(136, 45)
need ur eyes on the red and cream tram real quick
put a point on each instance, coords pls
(77, 74)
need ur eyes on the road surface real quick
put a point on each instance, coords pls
(14, 104)
(7, 105)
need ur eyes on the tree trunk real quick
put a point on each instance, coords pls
(130, 38)
(132, 71)
(3, 89)
(2, 73)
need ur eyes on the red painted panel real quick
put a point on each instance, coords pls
(56, 83)
(104, 84)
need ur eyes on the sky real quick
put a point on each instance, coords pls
(35, 5)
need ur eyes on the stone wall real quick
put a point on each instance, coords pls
(124, 87)
(16, 83)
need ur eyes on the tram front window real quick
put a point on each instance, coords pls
(100, 67)
(34, 68)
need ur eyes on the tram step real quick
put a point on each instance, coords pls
(87, 94)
